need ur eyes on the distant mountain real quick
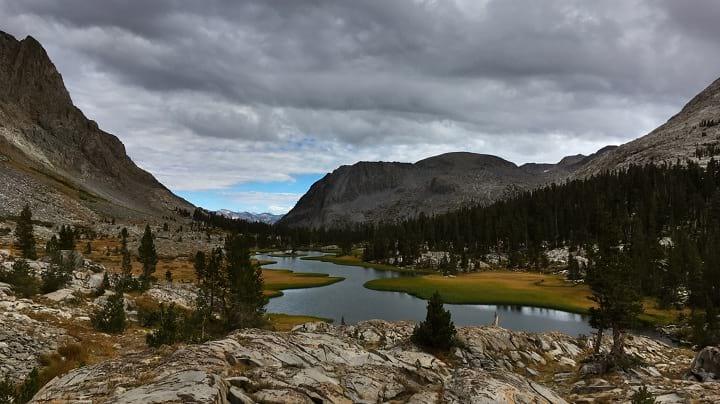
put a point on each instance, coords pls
(381, 191)
(268, 218)
(58, 161)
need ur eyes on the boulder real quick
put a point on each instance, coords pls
(61, 295)
(706, 365)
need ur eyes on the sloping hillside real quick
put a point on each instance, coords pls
(694, 133)
(57, 160)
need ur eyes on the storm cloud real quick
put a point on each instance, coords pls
(208, 94)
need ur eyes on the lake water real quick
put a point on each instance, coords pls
(351, 300)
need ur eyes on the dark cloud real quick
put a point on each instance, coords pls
(372, 79)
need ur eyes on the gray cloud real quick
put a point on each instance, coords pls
(212, 93)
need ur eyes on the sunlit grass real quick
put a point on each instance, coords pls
(508, 288)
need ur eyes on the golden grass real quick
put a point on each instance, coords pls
(279, 279)
(508, 288)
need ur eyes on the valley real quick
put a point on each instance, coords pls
(449, 276)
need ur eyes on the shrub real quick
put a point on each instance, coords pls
(29, 387)
(170, 328)
(438, 330)
(642, 396)
(110, 317)
(59, 273)
(7, 391)
(148, 311)
(23, 282)
(68, 357)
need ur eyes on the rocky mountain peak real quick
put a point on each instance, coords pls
(53, 152)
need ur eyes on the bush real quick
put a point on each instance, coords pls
(643, 396)
(23, 282)
(148, 311)
(29, 388)
(7, 391)
(59, 273)
(438, 330)
(111, 316)
(170, 330)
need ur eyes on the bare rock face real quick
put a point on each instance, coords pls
(706, 365)
(56, 159)
(374, 361)
(694, 133)
(317, 363)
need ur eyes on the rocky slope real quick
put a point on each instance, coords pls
(57, 160)
(380, 191)
(373, 362)
(694, 133)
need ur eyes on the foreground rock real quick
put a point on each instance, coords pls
(706, 365)
(317, 364)
(374, 362)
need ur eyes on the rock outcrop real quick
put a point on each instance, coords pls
(375, 362)
(54, 158)
(706, 365)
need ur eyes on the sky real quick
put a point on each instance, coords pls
(244, 104)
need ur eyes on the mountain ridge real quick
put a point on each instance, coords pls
(55, 158)
(263, 217)
(449, 181)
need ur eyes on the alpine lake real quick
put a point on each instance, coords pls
(350, 301)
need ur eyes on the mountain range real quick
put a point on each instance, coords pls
(265, 217)
(59, 162)
(382, 191)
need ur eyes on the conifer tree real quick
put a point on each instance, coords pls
(111, 317)
(438, 330)
(52, 246)
(24, 236)
(66, 239)
(126, 279)
(245, 302)
(616, 294)
(169, 330)
(147, 256)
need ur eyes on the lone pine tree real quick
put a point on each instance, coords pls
(438, 330)
(147, 255)
(24, 237)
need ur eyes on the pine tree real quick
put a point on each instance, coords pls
(24, 237)
(617, 297)
(52, 246)
(169, 330)
(245, 302)
(573, 268)
(438, 330)
(7, 391)
(59, 272)
(148, 257)
(126, 281)
(66, 239)
(110, 317)
(24, 283)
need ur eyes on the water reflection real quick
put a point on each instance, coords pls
(353, 302)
